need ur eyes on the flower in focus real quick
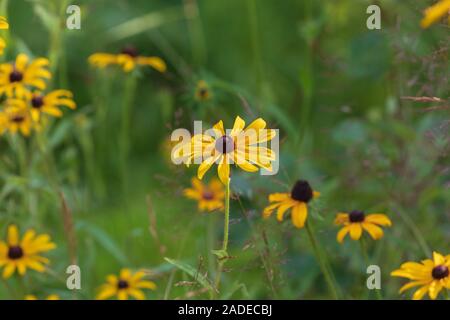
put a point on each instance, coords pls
(16, 254)
(50, 103)
(297, 200)
(127, 284)
(202, 91)
(128, 59)
(17, 78)
(435, 13)
(356, 221)
(16, 117)
(239, 146)
(49, 297)
(432, 275)
(209, 197)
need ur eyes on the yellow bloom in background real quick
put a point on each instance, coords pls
(16, 118)
(16, 254)
(432, 275)
(202, 91)
(50, 103)
(356, 221)
(127, 284)
(3, 25)
(209, 197)
(17, 78)
(49, 297)
(128, 59)
(435, 13)
(240, 146)
(297, 200)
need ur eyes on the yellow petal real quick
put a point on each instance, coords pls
(342, 233)
(375, 231)
(223, 171)
(378, 218)
(13, 235)
(355, 231)
(299, 214)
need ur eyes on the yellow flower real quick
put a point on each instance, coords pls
(128, 59)
(20, 255)
(202, 91)
(209, 197)
(17, 78)
(297, 200)
(50, 297)
(435, 13)
(3, 25)
(355, 221)
(431, 274)
(50, 103)
(16, 117)
(127, 284)
(240, 146)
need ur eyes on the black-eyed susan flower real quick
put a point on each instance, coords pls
(49, 103)
(16, 79)
(432, 275)
(16, 254)
(356, 221)
(49, 297)
(435, 13)
(202, 91)
(239, 146)
(128, 59)
(210, 196)
(297, 200)
(15, 117)
(126, 285)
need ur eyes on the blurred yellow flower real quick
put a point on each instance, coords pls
(209, 197)
(128, 59)
(3, 25)
(127, 284)
(17, 78)
(356, 221)
(50, 103)
(49, 297)
(16, 117)
(16, 254)
(432, 275)
(202, 91)
(435, 13)
(297, 200)
(240, 146)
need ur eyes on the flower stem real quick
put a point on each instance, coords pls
(225, 239)
(322, 261)
(367, 263)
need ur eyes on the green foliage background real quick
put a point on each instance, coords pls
(310, 68)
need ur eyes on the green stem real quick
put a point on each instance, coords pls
(225, 239)
(367, 263)
(322, 261)
(129, 94)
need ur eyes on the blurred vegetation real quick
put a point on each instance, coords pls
(336, 91)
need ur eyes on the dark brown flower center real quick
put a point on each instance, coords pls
(207, 195)
(122, 284)
(440, 272)
(302, 191)
(225, 144)
(15, 76)
(15, 252)
(203, 93)
(357, 216)
(37, 102)
(130, 51)
(17, 119)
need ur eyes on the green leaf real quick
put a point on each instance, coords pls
(104, 240)
(191, 271)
